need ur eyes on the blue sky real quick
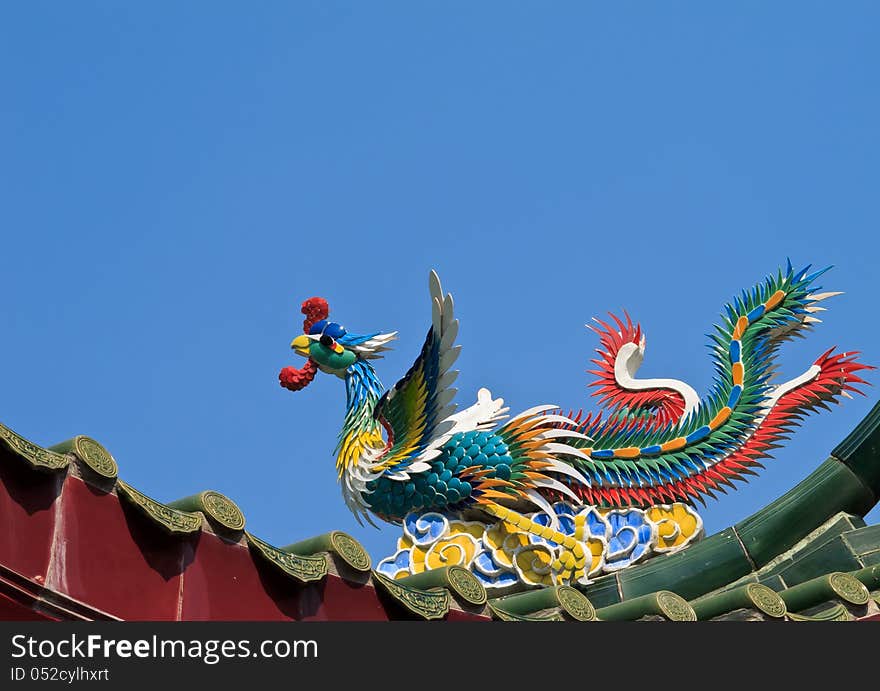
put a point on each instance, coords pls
(177, 178)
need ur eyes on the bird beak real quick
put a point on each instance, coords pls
(301, 345)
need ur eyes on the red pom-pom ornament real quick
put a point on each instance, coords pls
(315, 310)
(296, 379)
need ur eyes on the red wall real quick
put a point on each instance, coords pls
(69, 550)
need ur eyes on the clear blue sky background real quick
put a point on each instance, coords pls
(177, 177)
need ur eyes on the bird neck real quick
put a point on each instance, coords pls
(361, 434)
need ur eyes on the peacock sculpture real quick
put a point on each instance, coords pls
(544, 497)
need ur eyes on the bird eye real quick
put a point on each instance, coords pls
(326, 340)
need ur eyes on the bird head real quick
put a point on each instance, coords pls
(328, 346)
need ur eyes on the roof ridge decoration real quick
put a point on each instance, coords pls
(548, 498)
(721, 563)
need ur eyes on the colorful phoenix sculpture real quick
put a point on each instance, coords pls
(545, 497)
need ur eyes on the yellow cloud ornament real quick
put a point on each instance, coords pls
(457, 550)
(503, 540)
(677, 526)
(501, 554)
(534, 564)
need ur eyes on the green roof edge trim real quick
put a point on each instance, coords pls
(428, 604)
(861, 448)
(820, 552)
(171, 519)
(91, 453)
(869, 576)
(828, 490)
(458, 580)
(335, 542)
(35, 456)
(836, 613)
(499, 613)
(575, 604)
(663, 603)
(749, 596)
(303, 568)
(220, 509)
(704, 566)
(832, 586)
(802, 554)
(567, 599)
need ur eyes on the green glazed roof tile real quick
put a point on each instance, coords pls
(502, 615)
(427, 604)
(172, 520)
(834, 613)
(343, 545)
(36, 456)
(830, 489)
(460, 583)
(662, 603)
(303, 569)
(774, 582)
(834, 555)
(868, 576)
(562, 599)
(864, 540)
(750, 596)
(832, 529)
(861, 449)
(219, 509)
(830, 587)
(91, 453)
(871, 559)
(704, 566)
(603, 591)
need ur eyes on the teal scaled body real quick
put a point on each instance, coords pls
(442, 488)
